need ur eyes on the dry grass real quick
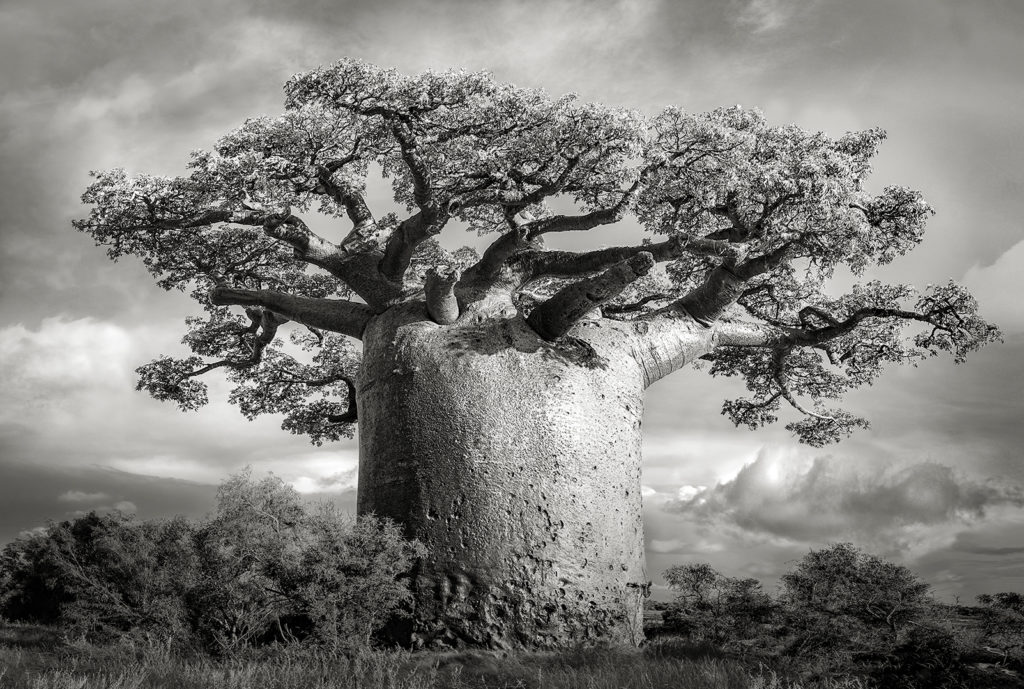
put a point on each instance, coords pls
(34, 658)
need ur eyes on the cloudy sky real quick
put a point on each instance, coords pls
(937, 483)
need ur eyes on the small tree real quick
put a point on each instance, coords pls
(256, 526)
(349, 577)
(1003, 624)
(30, 588)
(844, 600)
(714, 607)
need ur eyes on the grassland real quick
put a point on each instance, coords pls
(38, 658)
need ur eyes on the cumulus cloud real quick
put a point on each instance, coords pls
(785, 495)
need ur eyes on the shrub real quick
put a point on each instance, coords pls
(714, 607)
(263, 567)
(102, 575)
(1002, 625)
(926, 658)
(870, 598)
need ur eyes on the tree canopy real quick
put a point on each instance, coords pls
(747, 221)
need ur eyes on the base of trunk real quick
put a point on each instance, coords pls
(517, 463)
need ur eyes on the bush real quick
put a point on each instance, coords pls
(262, 568)
(101, 575)
(1002, 626)
(926, 658)
(716, 608)
(844, 603)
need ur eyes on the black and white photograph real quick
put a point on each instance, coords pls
(513, 344)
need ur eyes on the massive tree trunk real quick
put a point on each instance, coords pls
(517, 462)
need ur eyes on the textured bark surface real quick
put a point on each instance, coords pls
(517, 462)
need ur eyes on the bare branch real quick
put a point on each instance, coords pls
(557, 315)
(264, 328)
(782, 380)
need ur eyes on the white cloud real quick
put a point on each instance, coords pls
(784, 494)
(331, 470)
(675, 459)
(998, 288)
(60, 359)
(337, 482)
(81, 496)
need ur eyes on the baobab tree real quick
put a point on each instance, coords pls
(499, 394)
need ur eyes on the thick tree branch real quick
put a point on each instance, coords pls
(587, 221)
(336, 315)
(557, 315)
(709, 300)
(351, 263)
(439, 287)
(499, 252)
(726, 283)
(352, 415)
(346, 197)
(568, 263)
(402, 244)
(422, 193)
(760, 265)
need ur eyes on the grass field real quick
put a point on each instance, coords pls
(37, 658)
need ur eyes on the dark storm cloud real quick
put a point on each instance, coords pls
(33, 493)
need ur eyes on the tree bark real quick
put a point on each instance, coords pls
(517, 463)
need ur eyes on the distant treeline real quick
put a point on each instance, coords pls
(843, 612)
(262, 568)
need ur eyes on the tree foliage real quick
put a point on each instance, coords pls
(748, 222)
(863, 594)
(1002, 623)
(263, 567)
(839, 612)
(711, 606)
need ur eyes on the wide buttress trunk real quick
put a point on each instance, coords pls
(517, 463)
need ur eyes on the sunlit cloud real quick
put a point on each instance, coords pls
(785, 495)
